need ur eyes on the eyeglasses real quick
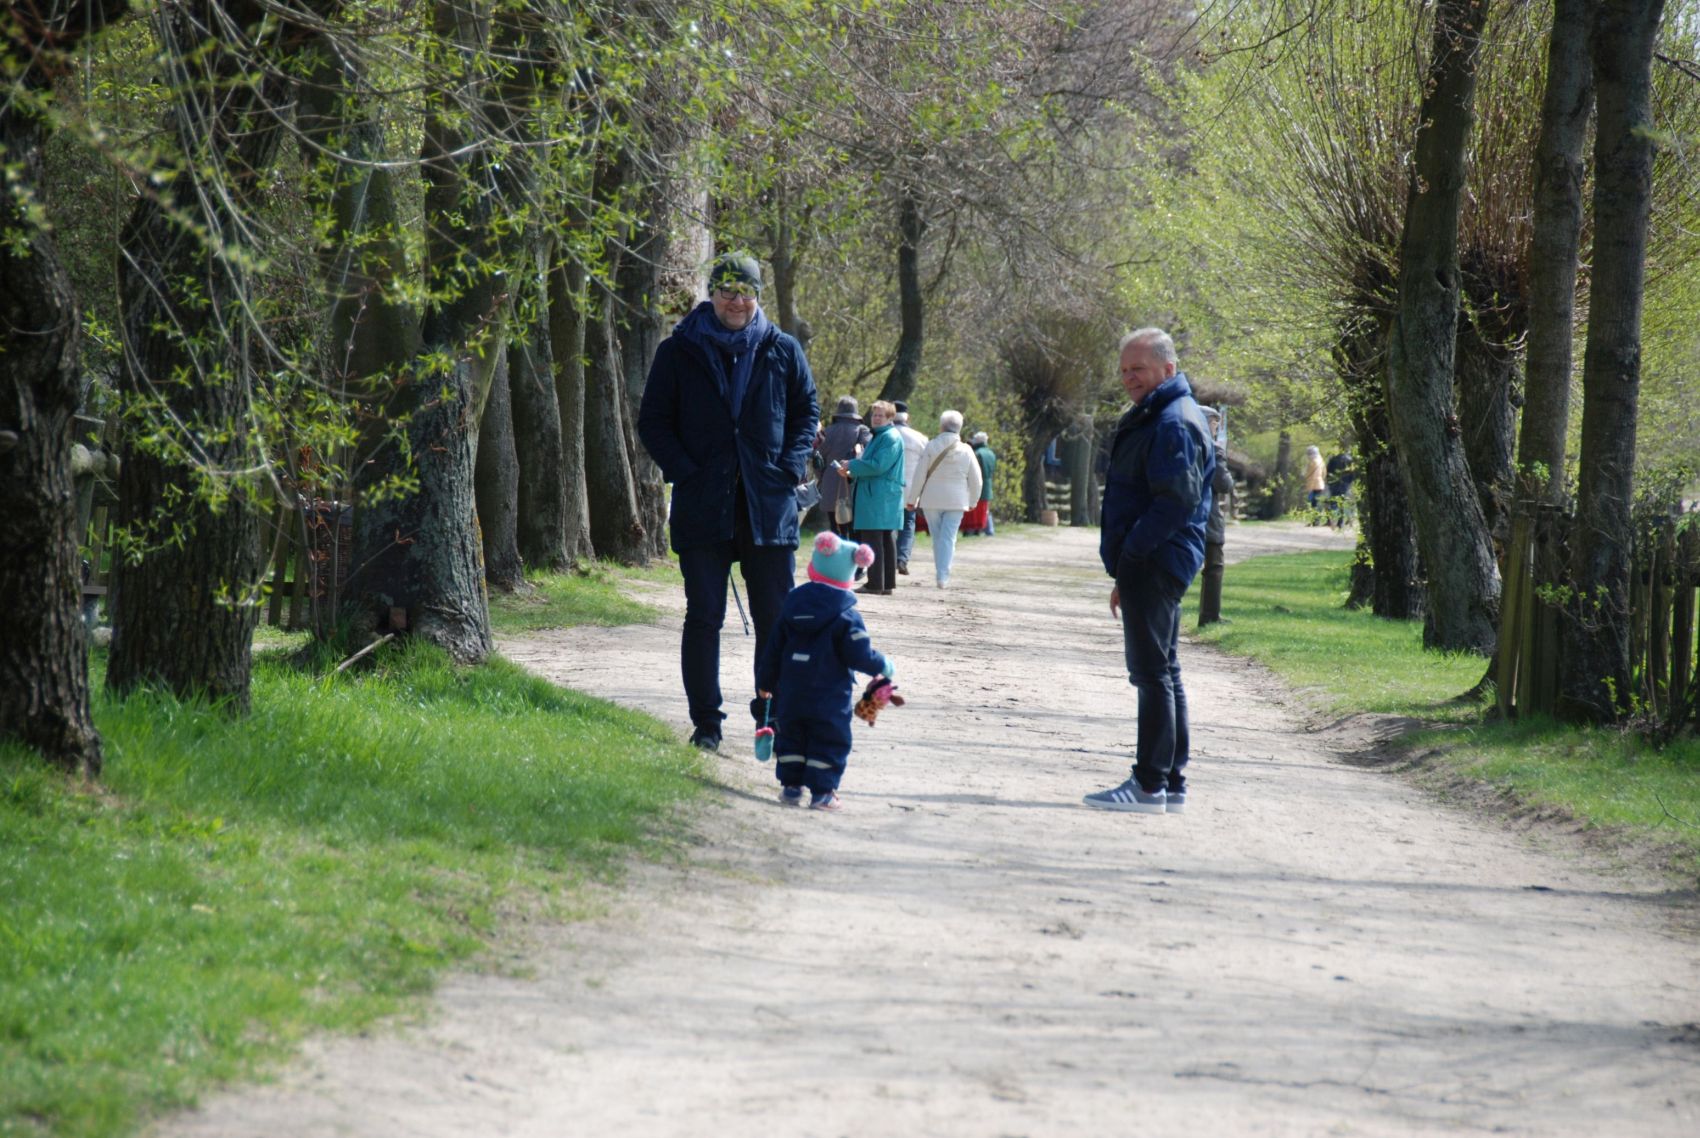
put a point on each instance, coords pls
(736, 289)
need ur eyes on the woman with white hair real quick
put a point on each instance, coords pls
(946, 486)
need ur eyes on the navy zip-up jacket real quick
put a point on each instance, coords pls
(1157, 494)
(813, 653)
(686, 425)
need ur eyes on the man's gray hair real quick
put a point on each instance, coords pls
(1155, 339)
(950, 421)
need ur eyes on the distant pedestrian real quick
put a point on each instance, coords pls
(1216, 530)
(914, 442)
(840, 440)
(1342, 473)
(808, 669)
(979, 519)
(877, 483)
(949, 486)
(729, 415)
(1315, 483)
(1156, 506)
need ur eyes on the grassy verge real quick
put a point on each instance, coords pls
(1287, 613)
(563, 600)
(237, 884)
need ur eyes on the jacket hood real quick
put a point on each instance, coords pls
(814, 605)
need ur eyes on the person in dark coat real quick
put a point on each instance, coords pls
(729, 414)
(1216, 532)
(840, 441)
(1157, 502)
(809, 669)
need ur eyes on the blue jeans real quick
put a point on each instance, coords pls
(906, 537)
(767, 572)
(943, 525)
(1151, 624)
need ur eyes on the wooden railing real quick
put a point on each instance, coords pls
(1662, 609)
(308, 545)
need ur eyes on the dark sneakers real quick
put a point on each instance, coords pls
(1128, 797)
(704, 739)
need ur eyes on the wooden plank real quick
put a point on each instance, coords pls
(280, 566)
(1512, 624)
(1658, 620)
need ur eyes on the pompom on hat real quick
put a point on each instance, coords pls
(835, 560)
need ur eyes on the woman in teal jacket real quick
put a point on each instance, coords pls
(878, 476)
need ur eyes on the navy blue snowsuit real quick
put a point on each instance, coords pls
(810, 663)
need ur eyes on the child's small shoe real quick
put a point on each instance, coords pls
(827, 801)
(790, 796)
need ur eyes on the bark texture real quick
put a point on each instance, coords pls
(1595, 673)
(1385, 574)
(496, 481)
(1554, 248)
(567, 298)
(1452, 534)
(911, 305)
(190, 361)
(541, 524)
(44, 682)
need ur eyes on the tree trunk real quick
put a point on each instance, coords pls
(784, 256)
(1452, 535)
(1487, 371)
(496, 483)
(1384, 572)
(911, 227)
(616, 525)
(418, 563)
(1033, 448)
(1553, 251)
(1081, 491)
(44, 680)
(541, 524)
(190, 361)
(567, 300)
(1596, 666)
(1280, 489)
(639, 330)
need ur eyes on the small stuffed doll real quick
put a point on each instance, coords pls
(879, 692)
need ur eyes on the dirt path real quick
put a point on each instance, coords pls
(1314, 948)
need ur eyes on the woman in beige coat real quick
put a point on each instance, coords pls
(946, 485)
(1316, 479)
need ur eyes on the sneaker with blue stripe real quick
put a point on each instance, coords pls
(1129, 797)
(1174, 800)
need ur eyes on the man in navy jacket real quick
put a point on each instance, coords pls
(1156, 504)
(729, 414)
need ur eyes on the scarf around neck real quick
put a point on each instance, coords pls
(703, 328)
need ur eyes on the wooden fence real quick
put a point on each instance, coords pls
(1662, 607)
(308, 543)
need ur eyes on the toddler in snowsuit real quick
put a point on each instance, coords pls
(809, 667)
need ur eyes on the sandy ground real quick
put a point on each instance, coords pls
(1314, 948)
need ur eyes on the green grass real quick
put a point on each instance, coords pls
(236, 884)
(1287, 612)
(562, 600)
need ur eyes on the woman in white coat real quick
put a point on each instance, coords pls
(946, 485)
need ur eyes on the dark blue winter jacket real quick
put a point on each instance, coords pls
(1157, 488)
(813, 653)
(687, 426)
